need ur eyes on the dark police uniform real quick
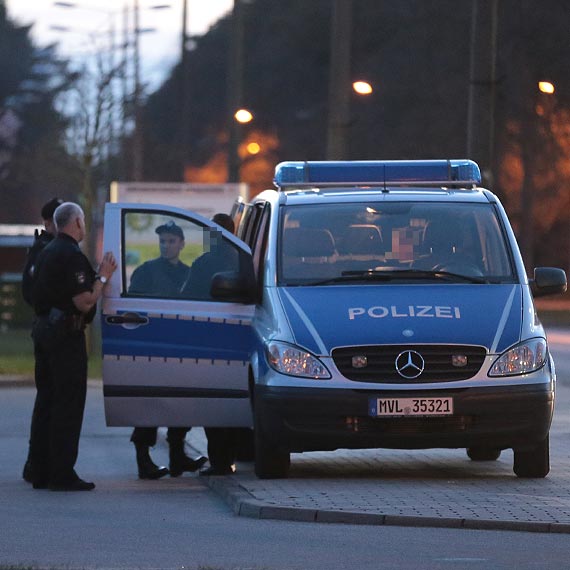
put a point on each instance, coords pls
(62, 271)
(41, 240)
(159, 277)
(222, 257)
(222, 442)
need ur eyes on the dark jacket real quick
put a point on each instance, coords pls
(40, 241)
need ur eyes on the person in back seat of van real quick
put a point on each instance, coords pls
(219, 256)
(163, 277)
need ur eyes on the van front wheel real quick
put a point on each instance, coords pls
(271, 461)
(534, 462)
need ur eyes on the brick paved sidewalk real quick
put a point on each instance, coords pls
(418, 488)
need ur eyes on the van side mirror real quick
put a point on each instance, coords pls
(548, 281)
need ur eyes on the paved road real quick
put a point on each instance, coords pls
(129, 523)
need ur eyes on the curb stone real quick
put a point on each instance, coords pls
(245, 505)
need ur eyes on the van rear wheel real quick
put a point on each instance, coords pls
(483, 453)
(533, 463)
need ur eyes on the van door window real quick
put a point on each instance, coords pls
(171, 257)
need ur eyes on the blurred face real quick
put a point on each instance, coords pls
(50, 227)
(170, 246)
(212, 239)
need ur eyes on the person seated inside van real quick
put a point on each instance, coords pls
(443, 249)
(219, 255)
(308, 253)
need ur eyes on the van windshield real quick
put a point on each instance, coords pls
(387, 242)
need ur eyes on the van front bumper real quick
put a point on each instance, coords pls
(312, 419)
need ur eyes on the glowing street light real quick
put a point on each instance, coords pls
(253, 148)
(243, 116)
(546, 87)
(362, 88)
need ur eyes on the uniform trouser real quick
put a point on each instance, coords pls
(147, 435)
(61, 383)
(222, 443)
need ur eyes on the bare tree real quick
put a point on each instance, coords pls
(91, 136)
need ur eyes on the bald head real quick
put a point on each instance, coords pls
(65, 214)
(70, 219)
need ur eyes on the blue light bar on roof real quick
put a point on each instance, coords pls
(376, 172)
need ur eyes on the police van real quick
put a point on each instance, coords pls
(368, 304)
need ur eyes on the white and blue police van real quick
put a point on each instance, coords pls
(367, 304)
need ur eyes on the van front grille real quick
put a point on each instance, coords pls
(441, 363)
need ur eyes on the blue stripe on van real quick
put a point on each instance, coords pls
(177, 338)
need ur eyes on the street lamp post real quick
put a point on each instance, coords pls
(138, 136)
(94, 116)
(184, 104)
(138, 148)
(482, 86)
(339, 80)
(235, 90)
(542, 104)
(137, 91)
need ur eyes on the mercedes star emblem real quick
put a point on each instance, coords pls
(409, 364)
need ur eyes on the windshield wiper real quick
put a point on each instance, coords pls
(392, 274)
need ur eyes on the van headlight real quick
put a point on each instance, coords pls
(293, 360)
(523, 358)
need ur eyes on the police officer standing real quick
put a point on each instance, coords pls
(41, 239)
(222, 441)
(65, 293)
(164, 276)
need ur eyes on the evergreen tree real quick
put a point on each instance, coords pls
(34, 164)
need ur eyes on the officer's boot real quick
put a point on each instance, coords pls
(180, 462)
(147, 468)
(27, 473)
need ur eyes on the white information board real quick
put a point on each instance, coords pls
(204, 199)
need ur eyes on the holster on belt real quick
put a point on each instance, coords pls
(57, 317)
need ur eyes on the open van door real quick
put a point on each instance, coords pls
(174, 358)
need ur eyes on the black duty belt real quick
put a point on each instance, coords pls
(57, 317)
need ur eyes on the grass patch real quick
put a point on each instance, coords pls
(17, 353)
